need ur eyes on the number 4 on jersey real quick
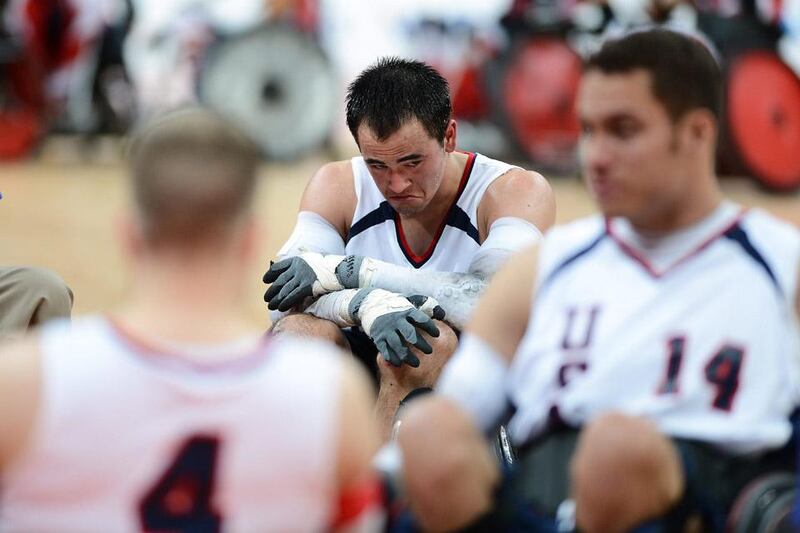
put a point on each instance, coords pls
(180, 501)
(722, 371)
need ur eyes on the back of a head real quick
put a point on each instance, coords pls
(392, 91)
(683, 71)
(193, 176)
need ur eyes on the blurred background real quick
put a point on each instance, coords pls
(77, 75)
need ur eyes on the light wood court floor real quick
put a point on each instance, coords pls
(60, 214)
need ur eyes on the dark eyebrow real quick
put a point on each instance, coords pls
(404, 159)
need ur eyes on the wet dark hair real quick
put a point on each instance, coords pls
(393, 91)
(683, 71)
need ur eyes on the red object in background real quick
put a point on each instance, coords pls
(763, 118)
(50, 39)
(19, 131)
(539, 91)
(470, 101)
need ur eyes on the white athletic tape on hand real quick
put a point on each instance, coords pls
(334, 307)
(428, 307)
(324, 266)
(378, 303)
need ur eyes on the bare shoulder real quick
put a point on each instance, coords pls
(519, 193)
(331, 193)
(20, 382)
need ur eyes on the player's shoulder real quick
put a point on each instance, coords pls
(575, 233)
(570, 239)
(769, 226)
(333, 173)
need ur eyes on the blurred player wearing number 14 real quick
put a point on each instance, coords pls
(174, 413)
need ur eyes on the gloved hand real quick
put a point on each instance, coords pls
(392, 321)
(296, 278)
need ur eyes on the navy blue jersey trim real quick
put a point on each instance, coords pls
(571, 259)
(459, 219)
(380, 214)
(738, 235)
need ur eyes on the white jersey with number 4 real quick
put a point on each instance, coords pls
(696, 331)
(376, 230)
(129, 439)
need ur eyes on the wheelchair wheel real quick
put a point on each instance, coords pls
(537, 97)
(277, 85)
(762, 119)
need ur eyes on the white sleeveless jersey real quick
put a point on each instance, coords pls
(705, 344)
(130, 440)
(376, 230)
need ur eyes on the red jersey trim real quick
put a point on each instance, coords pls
(419, 260)
(356, 501)
(634, 254)
(145, 350)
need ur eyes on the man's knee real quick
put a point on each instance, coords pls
(37, 293)
(447, 341)
(624, 472)
(304, 325)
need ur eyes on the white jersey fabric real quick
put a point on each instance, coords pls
(127, 437)
(696, 331)
(376, 230)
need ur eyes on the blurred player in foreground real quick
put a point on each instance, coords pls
(650, 353)
(173, 413)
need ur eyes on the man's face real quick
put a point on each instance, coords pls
(631, 155)
(408, 167)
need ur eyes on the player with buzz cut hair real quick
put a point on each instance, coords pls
(174, 413)
(651, 353)
(392, 248)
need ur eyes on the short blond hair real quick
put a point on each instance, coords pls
(192, 174)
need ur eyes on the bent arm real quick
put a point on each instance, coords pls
(326, 209)
(475, 377)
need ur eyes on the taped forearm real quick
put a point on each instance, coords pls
(335, 307)
(357, 307)
(456, 292)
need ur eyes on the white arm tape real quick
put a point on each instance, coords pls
(475, 379)
(334, 307)
(456, 292)
(312, 233)
(507, 235)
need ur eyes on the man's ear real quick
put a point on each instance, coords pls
(701, 128)
(450, 136)
(129, 233)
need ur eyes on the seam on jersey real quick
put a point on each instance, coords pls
(571, 259)
(380, 214)
(419, 260)
(634, 254)
(142, 350)
(737, 234)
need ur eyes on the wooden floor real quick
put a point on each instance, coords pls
(59, 213)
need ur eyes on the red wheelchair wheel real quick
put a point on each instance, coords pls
(539, 90)
(763, 119)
